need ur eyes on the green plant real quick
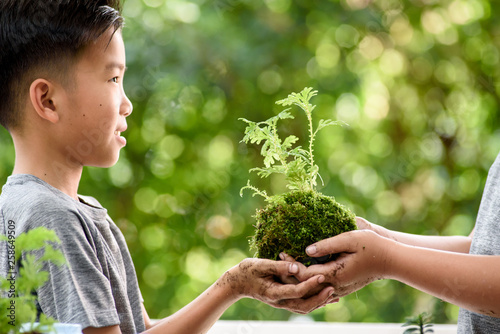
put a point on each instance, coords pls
(17, 302)
(419, 324)
(293, 220)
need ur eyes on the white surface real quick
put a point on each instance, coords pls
(59, 328)
(276, 327)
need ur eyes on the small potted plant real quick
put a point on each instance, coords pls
(17, 303)
(293, 220)
(419, 324)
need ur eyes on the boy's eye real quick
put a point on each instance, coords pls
(115, 80)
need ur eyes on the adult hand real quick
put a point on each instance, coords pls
(257, 279)
(362, 260)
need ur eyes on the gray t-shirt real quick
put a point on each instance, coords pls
(486, 241)
(98, 286)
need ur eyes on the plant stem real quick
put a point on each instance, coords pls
(311, 141)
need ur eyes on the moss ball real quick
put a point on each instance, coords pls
(294, 220)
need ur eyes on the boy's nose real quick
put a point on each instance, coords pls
(126, 107)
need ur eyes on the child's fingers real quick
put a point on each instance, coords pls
(330, 296)
(362, 223)
(333, 300)
(307, 305)
(263, 267)
(280, 268)
(288, 279)
(285, 257)
(342, 243)
(302, 289)
(301, 274)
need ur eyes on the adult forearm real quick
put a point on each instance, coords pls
(469, 281)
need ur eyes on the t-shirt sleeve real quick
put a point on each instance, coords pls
(79, 291)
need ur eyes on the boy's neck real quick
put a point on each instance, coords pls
(57, 171)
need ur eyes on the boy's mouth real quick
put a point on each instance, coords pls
(120, 130)
(121, 139)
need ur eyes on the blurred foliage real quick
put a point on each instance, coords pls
(416, 80)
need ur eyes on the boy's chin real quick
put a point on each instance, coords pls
(108, 162)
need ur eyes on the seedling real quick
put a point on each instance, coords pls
(17, 302)
(419, 324)
(293, 220)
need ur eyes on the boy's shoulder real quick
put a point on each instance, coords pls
(24, 192)
(30, 202)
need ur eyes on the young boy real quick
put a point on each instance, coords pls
(62, 64)
(461, 270)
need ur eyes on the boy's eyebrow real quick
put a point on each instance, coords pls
(112, 66)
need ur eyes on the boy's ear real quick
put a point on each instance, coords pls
(41, 97)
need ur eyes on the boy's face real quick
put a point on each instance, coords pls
(95, 105)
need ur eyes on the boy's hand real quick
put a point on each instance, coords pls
(257, 279)
(362, 260)
(295, 280)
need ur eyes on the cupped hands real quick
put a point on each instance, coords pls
(259, 279)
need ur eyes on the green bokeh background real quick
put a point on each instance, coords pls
(416, 80)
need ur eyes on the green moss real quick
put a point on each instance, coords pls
(293, 220)
(297, 219)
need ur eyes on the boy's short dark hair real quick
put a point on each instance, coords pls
(44, 37)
